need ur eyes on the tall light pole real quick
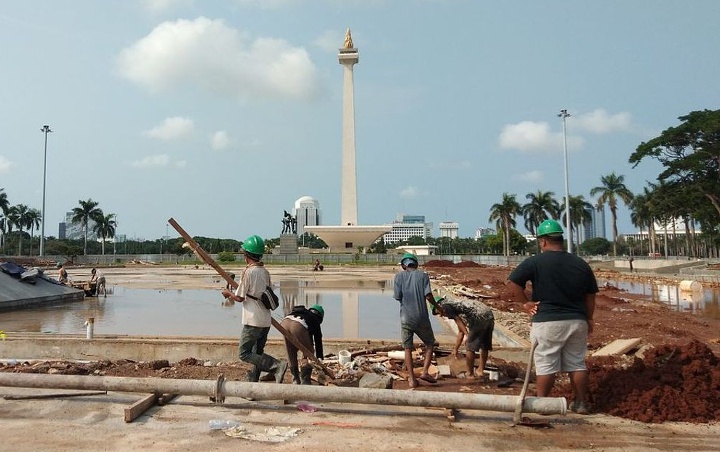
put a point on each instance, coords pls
(45, 129)
(564, 115)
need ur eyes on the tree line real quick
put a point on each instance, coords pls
(686, 190)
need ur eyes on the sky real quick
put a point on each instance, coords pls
(221, 114)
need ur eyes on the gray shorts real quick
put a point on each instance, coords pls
(424, 332)
(561, 346)
(480, 338)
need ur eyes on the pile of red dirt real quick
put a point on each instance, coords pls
(672, 383)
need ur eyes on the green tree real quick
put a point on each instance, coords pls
(540, 207)
(690, 153)
(33, 222)
(105, 227)
(504, 214)
(595, 246)
(579, 215)
(88, 210)
(612, 188)
(19, 216)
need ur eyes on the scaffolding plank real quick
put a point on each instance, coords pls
(618, 347)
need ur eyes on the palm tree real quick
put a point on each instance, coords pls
(33, 221)
(5, 209)
(504, 214)
(540, 207)
(105, 228)
(87, 211)
(640, 217)
(579, 215)
(18, 216)
(612, 188)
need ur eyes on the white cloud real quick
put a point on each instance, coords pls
(530, 136)
(152, 161)
(172, 129)
(530, 176)
(209, 55)
(5, 164)
(600, 121)
(267, 4)
(219, 140)
(157, 6)
(409, 192)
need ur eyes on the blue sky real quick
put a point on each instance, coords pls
(221, 114)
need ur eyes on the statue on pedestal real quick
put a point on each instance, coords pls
(287, 219)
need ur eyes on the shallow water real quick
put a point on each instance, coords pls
(704, 302)
(349, 313)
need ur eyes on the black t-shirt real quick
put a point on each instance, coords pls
(560, 282)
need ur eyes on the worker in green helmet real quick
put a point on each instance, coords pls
(256, 317)
(304, 325)
(411, 288)
(562, 304)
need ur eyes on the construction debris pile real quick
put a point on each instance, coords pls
(671, 383)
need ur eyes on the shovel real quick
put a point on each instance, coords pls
(517, 417)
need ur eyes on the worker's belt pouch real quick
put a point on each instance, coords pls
(268, 298)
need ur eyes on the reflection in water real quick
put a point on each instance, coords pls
(701, 302)
(362, 311)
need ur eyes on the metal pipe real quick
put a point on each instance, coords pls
(265, 391)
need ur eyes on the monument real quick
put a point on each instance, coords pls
(288, 236)
(349, 235)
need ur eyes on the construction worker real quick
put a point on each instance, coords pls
(304, 325)
(562, 305)
(474, 321)
(256, 318)
(411, 288)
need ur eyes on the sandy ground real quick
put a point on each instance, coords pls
(96, 422)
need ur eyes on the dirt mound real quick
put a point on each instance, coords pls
(672, 383)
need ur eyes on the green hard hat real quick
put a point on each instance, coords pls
(319, 309)
(439, 299)
(549, 227)
(254, 245)
(408, 256)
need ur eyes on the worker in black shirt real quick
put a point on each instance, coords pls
(304, 324)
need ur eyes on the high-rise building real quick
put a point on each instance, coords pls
(307, 213)
(484, 232)
(74, 231)
(448, 229)
(596, 226)
(406, 226)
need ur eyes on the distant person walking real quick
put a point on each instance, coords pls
(411, 288)
(562, 307)
(304, 325)
(256, 318)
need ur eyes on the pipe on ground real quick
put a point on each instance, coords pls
(268, 391)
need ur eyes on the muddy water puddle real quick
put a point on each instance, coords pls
(354, 313)
(703, 302)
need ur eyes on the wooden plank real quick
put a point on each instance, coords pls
(139, 407)
(165, 399)
(309, 354)
(618, 347)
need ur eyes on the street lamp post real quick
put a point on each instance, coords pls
(564, 115)
(45, 129)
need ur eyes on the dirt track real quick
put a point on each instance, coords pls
(689, 367)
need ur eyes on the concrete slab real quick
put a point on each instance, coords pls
(17, 294)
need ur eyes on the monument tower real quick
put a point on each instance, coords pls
(349, 235)
(348, 56)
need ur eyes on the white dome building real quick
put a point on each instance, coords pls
(307, 213)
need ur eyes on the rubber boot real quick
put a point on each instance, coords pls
(305, 374)
(295, 375)
(253, 375)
